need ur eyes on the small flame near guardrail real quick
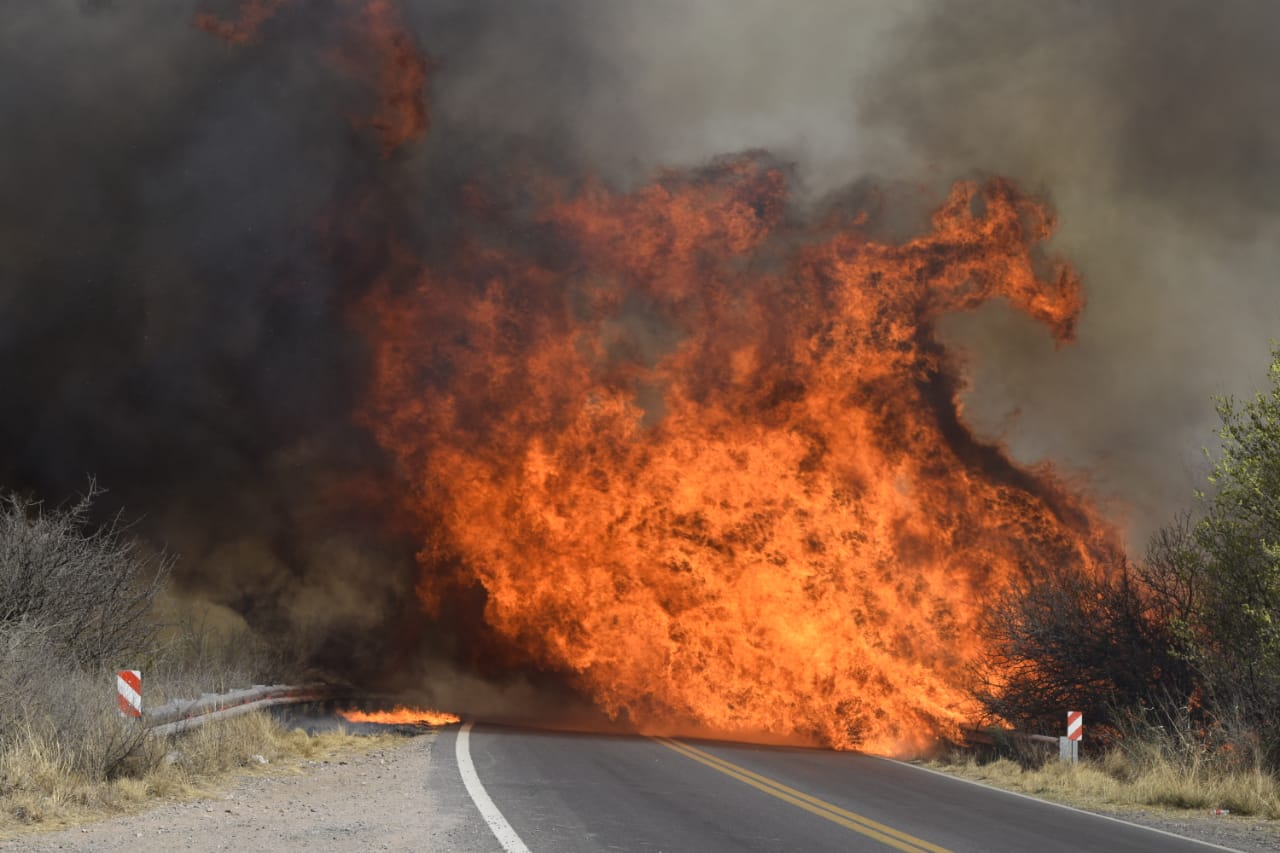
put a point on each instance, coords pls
(401, 715)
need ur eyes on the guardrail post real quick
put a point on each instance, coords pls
(1069, 745)
(129, 693)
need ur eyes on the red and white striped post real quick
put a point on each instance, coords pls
(129, 692)
(1069, 746)
(1075, 725)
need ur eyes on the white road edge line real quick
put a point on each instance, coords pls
(1208, 844)
(502, 830)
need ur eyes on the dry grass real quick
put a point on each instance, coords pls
(1134, 777)
(41, 787)
(204, 648)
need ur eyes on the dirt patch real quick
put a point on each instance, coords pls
(377, 800)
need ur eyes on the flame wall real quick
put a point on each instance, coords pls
(775, 523)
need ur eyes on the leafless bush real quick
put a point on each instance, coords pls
(88, 589)
(202, 651)
(79, 600)
(1174, 571)
(75, 603)
(1070, 641)
(24, 664)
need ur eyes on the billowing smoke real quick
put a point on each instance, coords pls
(1154, 128)
(188, 214)
(174, 265)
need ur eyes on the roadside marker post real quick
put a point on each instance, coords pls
(129, 693)
(1069, 746)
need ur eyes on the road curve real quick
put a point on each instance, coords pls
(569, 792)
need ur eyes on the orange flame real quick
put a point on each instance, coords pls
(244, 28)
(401, 79)
(400, 715)
(709, 460)
(378, 48)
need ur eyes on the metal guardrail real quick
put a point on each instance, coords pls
(1068, 748)
(184, 714)
(989, 736)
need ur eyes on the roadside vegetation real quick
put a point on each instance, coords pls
(80, 600)
(1174, 659)
(1139, 770)
(45, 787)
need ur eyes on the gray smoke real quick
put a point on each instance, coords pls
(1155, 128)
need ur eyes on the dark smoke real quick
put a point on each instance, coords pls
(184, 225)
(172, 295)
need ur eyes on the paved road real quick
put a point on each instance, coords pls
(573, 792)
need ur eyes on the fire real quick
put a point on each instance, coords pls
(399, 77)
(377, 49)
(243, 29)
(703, 453)
(400, 715)
(709, 460)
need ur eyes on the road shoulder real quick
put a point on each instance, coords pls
(379, 800)
(1237, 832)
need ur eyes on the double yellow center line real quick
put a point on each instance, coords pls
(884, 834)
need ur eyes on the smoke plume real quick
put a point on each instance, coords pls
(195, 194)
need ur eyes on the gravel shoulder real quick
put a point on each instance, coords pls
(1247, 834)
(379, 800)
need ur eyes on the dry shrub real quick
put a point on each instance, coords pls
(77, 602)
(206, 649)
(86, 591)
(40, 786)
(1184, 762)
(41, 782)
(77, 711)
(25, 656)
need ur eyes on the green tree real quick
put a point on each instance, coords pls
(1191, 633)
(1103, 645)
(1235, 627)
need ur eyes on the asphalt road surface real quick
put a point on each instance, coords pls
(523, 790)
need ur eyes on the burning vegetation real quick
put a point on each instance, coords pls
(682, 439)
(707, 456)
